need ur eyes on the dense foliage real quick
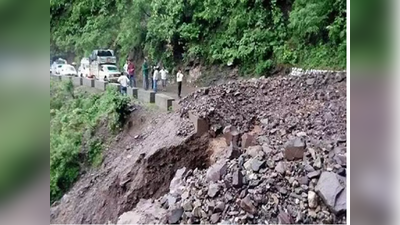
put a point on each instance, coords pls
(255, 34)
(74, 119)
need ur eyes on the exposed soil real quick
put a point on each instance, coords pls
(139, 163)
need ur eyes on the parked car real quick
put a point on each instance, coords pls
(68, 70)
(109, 72)
(57, 68)
(56, 65)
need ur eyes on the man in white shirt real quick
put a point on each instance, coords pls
(126, 66)
(155, 78)
(179, 78)
(164, 73)
(124, 81)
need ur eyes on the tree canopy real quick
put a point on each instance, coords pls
(254, 34)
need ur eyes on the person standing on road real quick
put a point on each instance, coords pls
(179, 78)
(123, 81)
(156, 75)
(145, 71)
(131, 72)
(126, 66)
(164, 78)
(152, 73)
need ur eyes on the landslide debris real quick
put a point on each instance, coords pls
(139, 164)
(290, 133)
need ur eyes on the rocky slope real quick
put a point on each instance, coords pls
(285, 161)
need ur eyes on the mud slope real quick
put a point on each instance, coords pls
(140, 163)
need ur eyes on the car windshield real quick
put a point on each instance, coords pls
(104, 53)
(112, 68)
(60, 62)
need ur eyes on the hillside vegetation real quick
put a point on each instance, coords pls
(75, 141)
(254, 34)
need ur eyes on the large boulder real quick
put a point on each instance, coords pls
(175, 187)
(216, 171)
(294, 149)
(332, 190)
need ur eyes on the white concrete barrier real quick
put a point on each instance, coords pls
(101, 85)
(164, 102)
(88, 82)
(146, 96)
(77, 81)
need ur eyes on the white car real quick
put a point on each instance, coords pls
(57, 65)
(83, 71)
(109, 72)
(57, 69)
(68, 70)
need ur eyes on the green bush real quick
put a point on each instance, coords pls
(75, 116)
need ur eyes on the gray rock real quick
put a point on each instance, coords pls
(341, 202)
(237, 179)
(228, 197)
(309, 168)
(254, 183)
(215, 218)
(216, 171)
(312, 152)
(197, 212)
(187, 206)
(185, 195)
(271, 164)
(298, 190)
(171, 200)
(264, 121)
(301, 134)
(247, 205)
(313, 174)
(283, 190)
(254, 151)
(266, 149)
(247, 140)
(257, 164)
(317, 163)
(176, 182)
(303, 180)
(285, 218)
(330, 187)
(280, 168)
(213, 190)
(294, 149)
(312, 200)
(175, 215)
(232, 152)
(219, 207)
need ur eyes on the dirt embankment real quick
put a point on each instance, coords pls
(139, 163)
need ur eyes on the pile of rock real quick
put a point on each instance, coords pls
(261, 186)
(289, 102)
(291, 170)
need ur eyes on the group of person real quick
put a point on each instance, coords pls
(128, 78)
